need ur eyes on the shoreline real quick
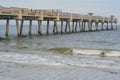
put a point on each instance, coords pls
(17, 71)
(59, 59)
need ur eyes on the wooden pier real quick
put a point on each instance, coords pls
(78, 21)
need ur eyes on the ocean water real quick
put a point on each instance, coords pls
(97, 49)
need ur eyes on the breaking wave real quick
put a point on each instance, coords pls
(59, 60)
(112, 53)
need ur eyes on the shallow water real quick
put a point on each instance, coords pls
(87, 49)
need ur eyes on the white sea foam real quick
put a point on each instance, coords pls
(113, 53)
(86, 52)
(58, 60)
(27, 58)
(95, 52)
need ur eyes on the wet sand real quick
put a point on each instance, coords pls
(20, 71)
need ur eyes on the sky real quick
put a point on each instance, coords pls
(98, 7)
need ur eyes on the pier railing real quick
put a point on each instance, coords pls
(51, 13)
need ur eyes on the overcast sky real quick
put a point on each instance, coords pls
(98, 7)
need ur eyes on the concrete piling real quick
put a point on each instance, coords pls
(21, 27)
(96, 24)
(81, 27)
(62, 26)
(69, 26)
(116, 26)
(90, 26)
(102, 25)
(84, 26)
(107, 26)
(73, 26)
(47, 30)
(39, 27)
(30, 27)
(66, 26)
(17, 27)
(111, 25)
(76, 26)
(7, 27)
(55, 27)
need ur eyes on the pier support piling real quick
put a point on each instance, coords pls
(56, 26)
(111, 25)
(21, 27)
(66, 26)
(17, 27)
(96, 24)
(84, 26)
(61, 26)
(73, 26)
(116, 26)
(81, 27)
(76, 26)
(30, 27)
(7, 27)
(69, 26)
(107, 26)
(102, 25)
(39, 26)
(90, 26)
(47, 30)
